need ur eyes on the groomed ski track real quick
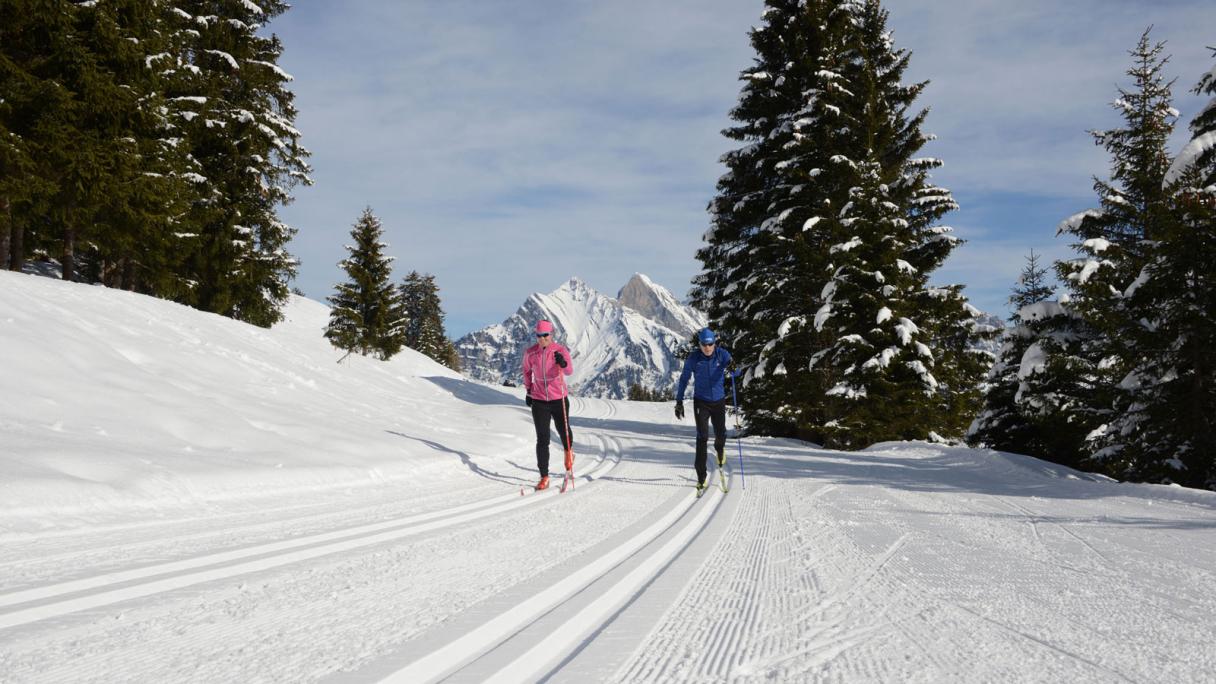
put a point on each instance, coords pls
(901, 563)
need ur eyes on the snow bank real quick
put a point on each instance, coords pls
(110, 399)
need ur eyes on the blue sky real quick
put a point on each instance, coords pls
(507, 146)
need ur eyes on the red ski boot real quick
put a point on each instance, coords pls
(543, 484)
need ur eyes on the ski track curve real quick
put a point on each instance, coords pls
(48, 601)
(295, 604)
(526, 638)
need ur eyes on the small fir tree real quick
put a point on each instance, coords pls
(367, 311)
(423, 314)
(1004, 423)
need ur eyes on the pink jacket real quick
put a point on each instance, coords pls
(542, 376)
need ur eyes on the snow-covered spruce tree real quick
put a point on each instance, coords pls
(1167, 428)
(29, 98)
(1056, 378)
(367, 315)
(763, 261)
(423, 320)
(134, 244)
(1117, 242)
(901, 351)
(242, 139)
(1003, 423)
(64, 105)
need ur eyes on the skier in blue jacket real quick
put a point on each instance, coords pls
(709, 368)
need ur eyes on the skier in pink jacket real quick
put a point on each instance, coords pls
(546, 364)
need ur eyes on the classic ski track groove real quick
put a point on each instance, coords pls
(88, 556)
(558, 642)
(743, 632)
(39, 603)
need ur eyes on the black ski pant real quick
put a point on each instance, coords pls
(557, 411)
(704, 412)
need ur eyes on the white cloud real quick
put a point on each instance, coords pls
(508, 146)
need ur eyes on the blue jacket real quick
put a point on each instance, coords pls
(708, 372)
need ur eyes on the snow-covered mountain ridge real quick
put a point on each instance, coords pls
(615, 343)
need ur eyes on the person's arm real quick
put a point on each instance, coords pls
(568, 367)
(528, 373)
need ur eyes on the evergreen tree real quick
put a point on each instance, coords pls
(367, 313)
(899, 351)
(247, 158)
(1056, 375)
(1167, 428)
(639, 392)
(1117, 244)
(138, 139)
(28, 28)
(423, 314)
(62, 109)
(134, 243)
(823, 239)
(1005, 423)
(764, 259)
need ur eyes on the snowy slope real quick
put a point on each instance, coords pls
(614, 345)
(186, 498)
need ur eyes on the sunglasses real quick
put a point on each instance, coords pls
(708, 344)
(542, 334)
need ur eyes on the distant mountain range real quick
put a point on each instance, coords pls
(615, 343)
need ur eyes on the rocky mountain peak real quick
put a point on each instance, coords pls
(658, 304)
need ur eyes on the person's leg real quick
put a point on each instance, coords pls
(700, 412)
(561, 421)
(718, 415)
(540, 417)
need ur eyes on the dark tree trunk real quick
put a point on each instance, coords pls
(16, 246)
(68, 262)
(128, 274)
(6, 227)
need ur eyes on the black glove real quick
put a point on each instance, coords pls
(680, 410)
(528, 400)
(559, 359)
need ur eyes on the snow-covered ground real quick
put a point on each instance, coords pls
(186, 498)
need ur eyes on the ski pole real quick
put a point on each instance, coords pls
(734, 402)
(569, 479)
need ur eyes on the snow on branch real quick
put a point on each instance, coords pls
(225, 56)
(846, 246)
(275, 68)
(905, 329)
(1190, 154)
(1096, 245)
(1073, 223)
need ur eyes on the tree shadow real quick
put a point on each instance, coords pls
(464, 458)
(475, 392)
